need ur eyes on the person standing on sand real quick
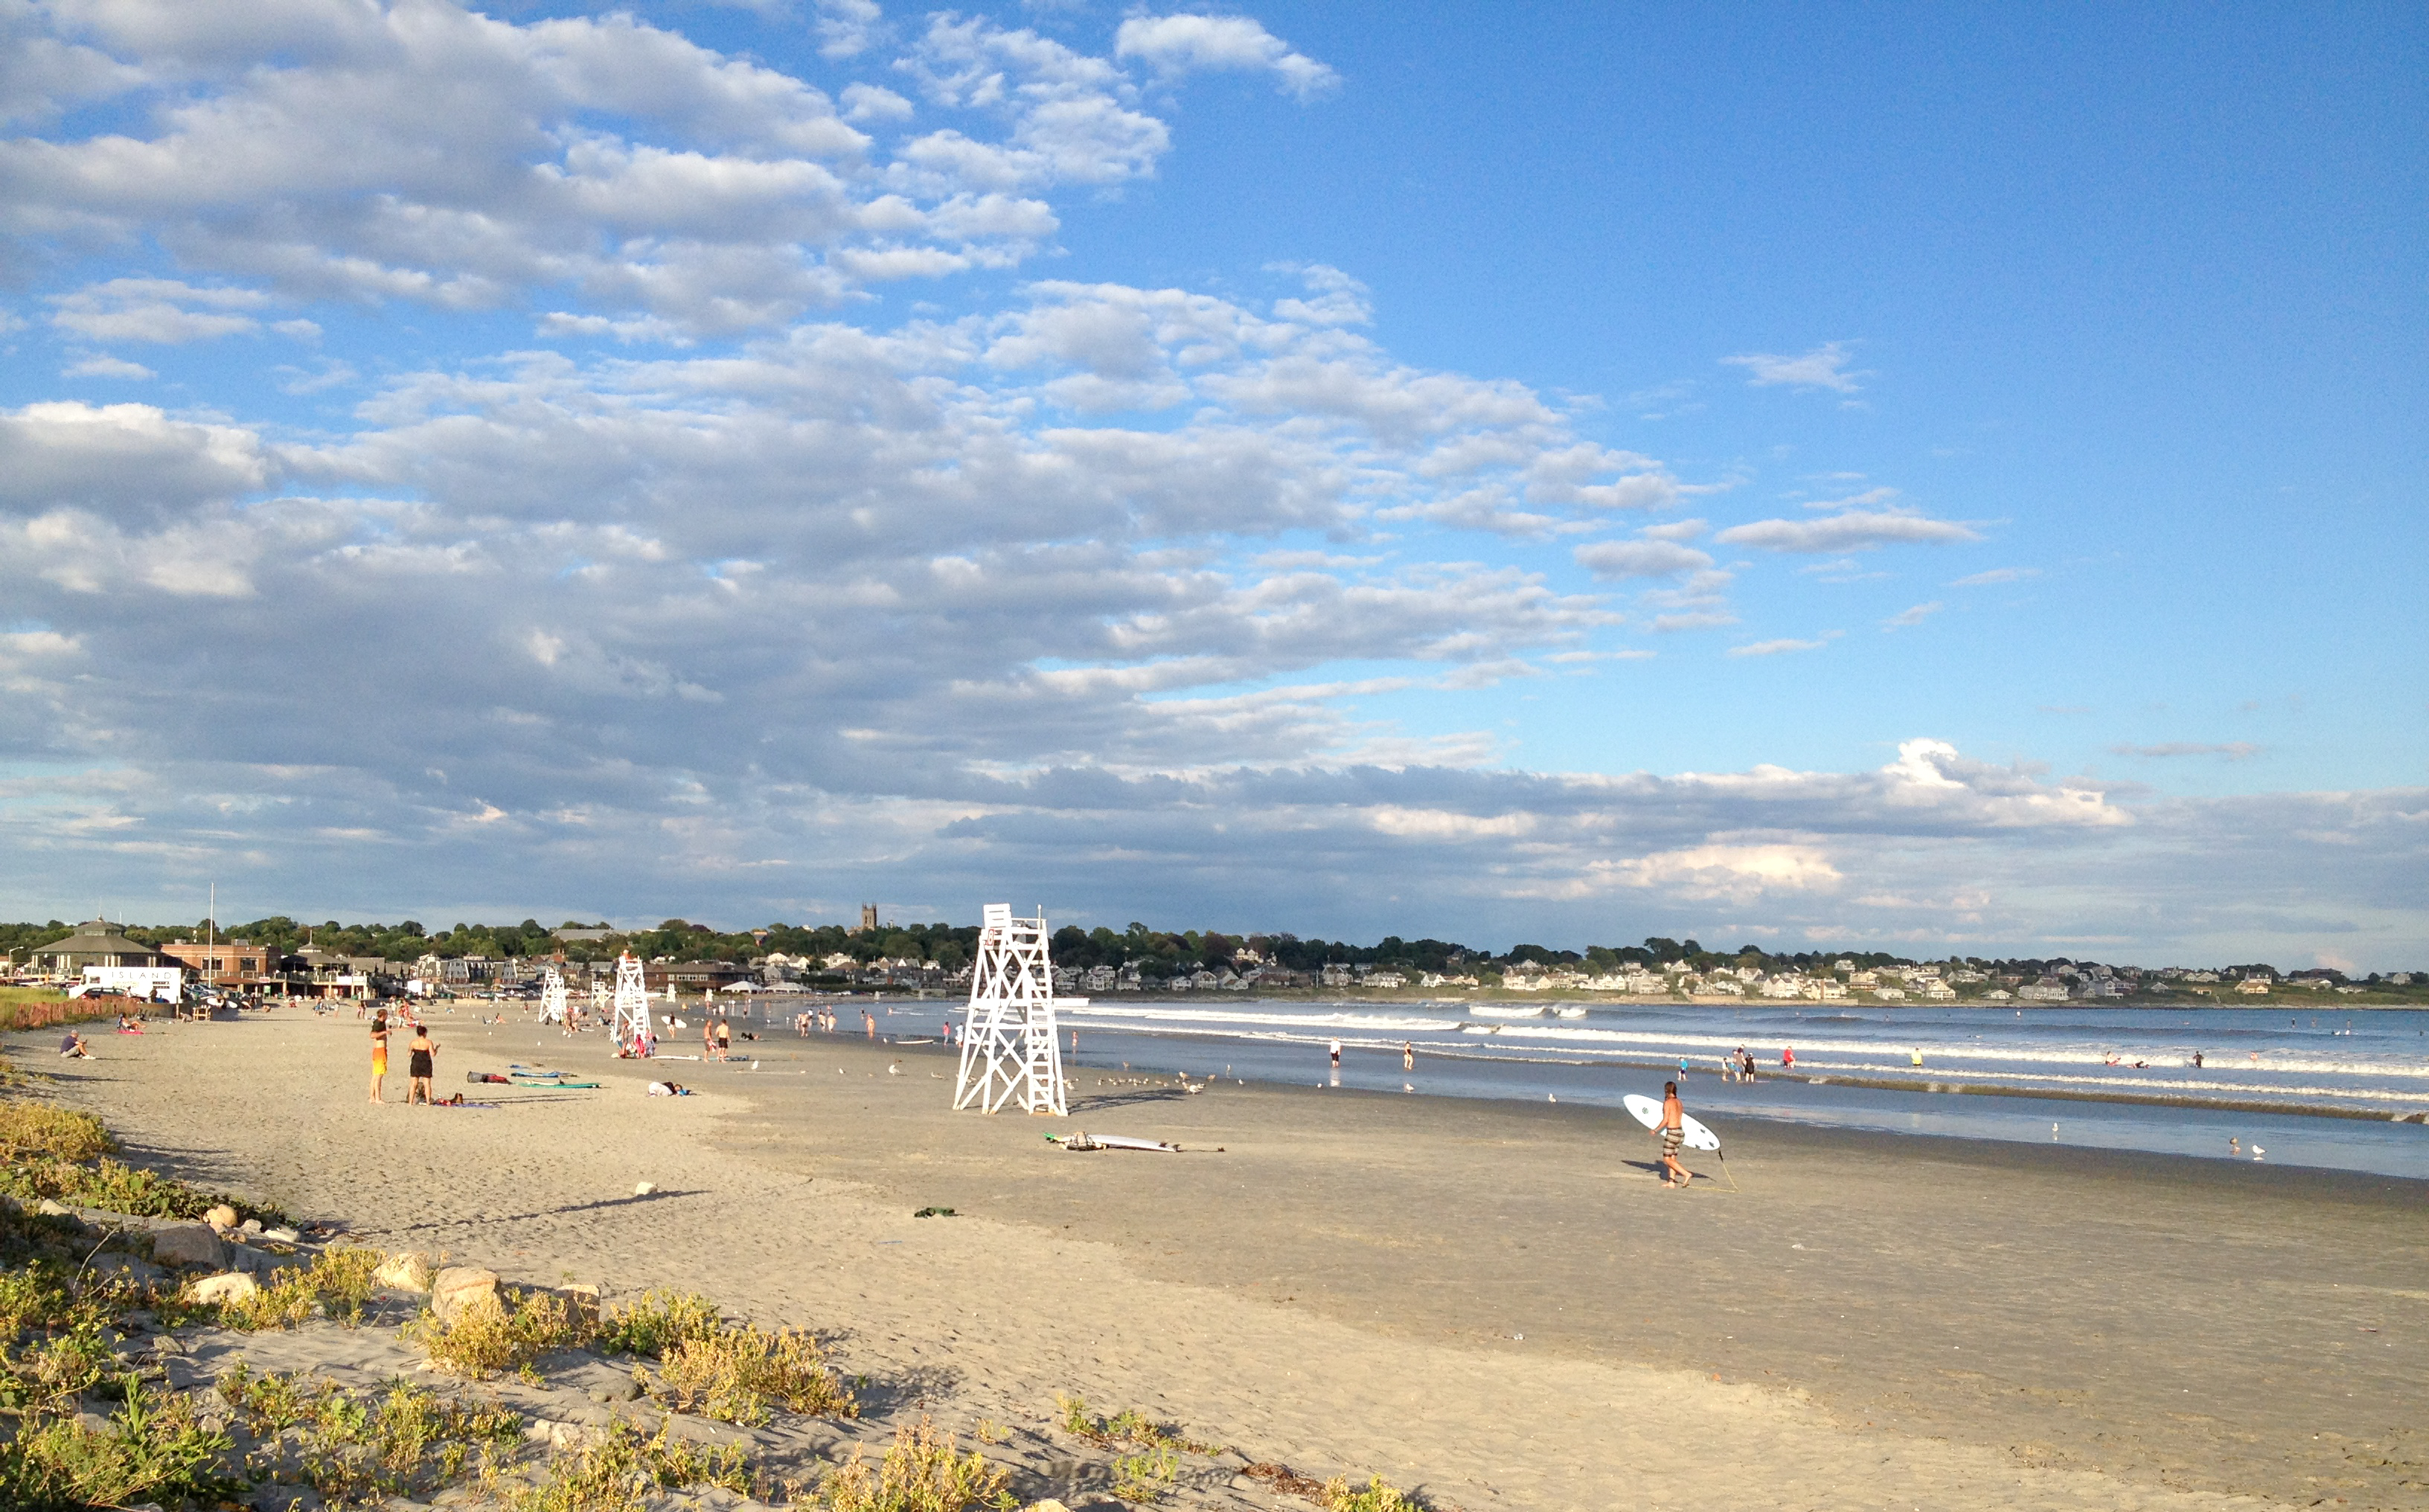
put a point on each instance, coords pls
(419, 1069)
(379, 1057)
(1673, 1133)
(725, 1039)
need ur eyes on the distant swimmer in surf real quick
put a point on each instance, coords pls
(1673, 1133)
(1788, 1058)
(1336, 1055)
(1407, 1056)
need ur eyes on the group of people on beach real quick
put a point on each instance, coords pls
(419, 1065)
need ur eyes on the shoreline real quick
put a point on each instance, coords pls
(1348, 1284)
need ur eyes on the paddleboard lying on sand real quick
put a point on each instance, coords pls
(1648, 1112)
(551, 1081)
(1110, 1141)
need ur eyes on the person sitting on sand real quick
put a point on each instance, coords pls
(668, 1088)
(1673, 1133)
(379, 1057)
(73, 1046)
(419, 1067)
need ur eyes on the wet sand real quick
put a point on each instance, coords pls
(1495, 1302)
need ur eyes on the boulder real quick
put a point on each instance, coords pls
(281, 1235)
(125, 1266)
(222, 1216)
(407, 1272)
(461, 1290)
(582, 1304)
(48, 1208)
(189, 1244)
(228, 1288)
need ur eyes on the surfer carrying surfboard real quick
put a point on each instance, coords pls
(1673, 1133)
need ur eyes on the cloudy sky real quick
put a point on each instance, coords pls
(1922, 479)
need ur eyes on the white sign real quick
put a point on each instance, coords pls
(158, 983)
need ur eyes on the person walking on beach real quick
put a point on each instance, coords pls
(379, 1057)
(418, 1068)
(1673, 1133)
(707, 1037)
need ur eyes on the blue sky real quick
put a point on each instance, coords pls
(1947, 480)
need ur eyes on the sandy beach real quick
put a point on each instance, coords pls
(1493, 1302)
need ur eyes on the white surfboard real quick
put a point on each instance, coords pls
(1648, 1112)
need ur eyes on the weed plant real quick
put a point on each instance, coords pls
(335, 1285)
(658, 1321)
(514, 1336)
(1128, 1427)
(1146, 1476)
(51, 1132)
(116, 1186)
(619, 1472)
(920, 1473)
(157, 1450)
(356, 1448)
(738, 1375)
(1377, 1495)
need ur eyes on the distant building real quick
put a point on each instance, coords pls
(867, 920)
(224, 962)
(583, 936)
(97, 942)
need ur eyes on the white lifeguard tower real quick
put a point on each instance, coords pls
(1009, 1052)
(629, 1015)
(551, 996)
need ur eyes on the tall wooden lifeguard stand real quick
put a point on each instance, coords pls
(551, 996)
(629, 1021)
(1009, 1051)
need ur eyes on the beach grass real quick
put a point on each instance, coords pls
(356, 1447)
(155, 1450)
(479, 1342)
(336, 1285)
(740, 1374)
(622, 1469)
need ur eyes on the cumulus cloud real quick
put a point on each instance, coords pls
(1824, 367)
(1856, 530)
(1182, 44)
(103, 366)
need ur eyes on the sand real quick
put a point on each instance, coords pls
(1493, 1302)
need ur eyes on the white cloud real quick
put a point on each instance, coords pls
(1857, 530)
(1777, 647)
(1609, 559)
(847, 28)
(1824, 367)
(1182, 44)
(869, 102)
(2234, 750)
(1907, 618)
(103, 366)
(1996, 575)
(159, 310)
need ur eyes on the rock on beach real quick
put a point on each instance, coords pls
(461, 1290)
(189, 1244)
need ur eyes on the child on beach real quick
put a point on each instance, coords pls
(379, 1057)
(418, 1067)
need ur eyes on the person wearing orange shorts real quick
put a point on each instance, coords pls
(379, 1056)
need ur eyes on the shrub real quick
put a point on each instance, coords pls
(482, 1340)
(119, 1188)
(735, 1374)
(337, 1283)
(615, 1474)
(1128, 1427)
(59, 1133)
(920, 1473)
(658, 1321)
(154, 1452)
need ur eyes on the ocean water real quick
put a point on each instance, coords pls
(2285, 1067)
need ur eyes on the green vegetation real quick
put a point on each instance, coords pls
(119, 1188)
(360, 1447)
(618, 1472)
(920, 1473)
(335, 1285)
(155, 1450)
(1377, 1495)
(479, 1342)
(740, 1374)
(1146, 1476)
(658, 1321)
(1128, 1427)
